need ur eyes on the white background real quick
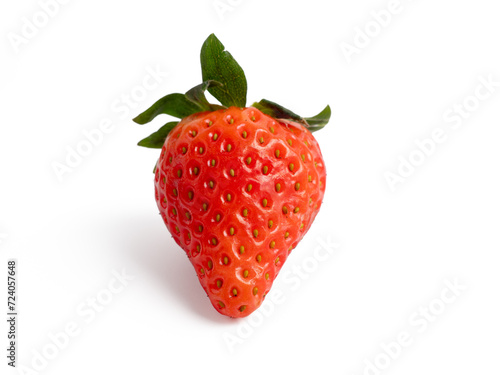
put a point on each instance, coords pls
(397, 251)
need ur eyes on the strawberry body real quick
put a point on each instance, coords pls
(238, 190)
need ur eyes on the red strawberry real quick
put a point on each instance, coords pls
(237, 187)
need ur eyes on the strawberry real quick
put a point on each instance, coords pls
(237, 187)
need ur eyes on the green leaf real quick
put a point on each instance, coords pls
(219, 65)
(320, 120)
(177, 105)
(197, 95)
(181, 105)
(157, 139)
(279, 112)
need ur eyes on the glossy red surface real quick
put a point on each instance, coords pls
(238, 190)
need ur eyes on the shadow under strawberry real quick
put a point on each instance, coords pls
(152, 249)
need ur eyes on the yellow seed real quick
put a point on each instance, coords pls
(291, 166)
(219, 283)
(221, 304)
(231, 172)
(301, 225)
(217, 217)
(249, 160)
(198, 248)
(252, 118)
(200, 150)
(255, 291)
(287, 234)
(277, 153)
(271, 129)
(196, 170)
(188, 215)
(179, 173)
(211, 184)
(259, 258)
(264, 202)
(193, 133)
(210, 265)
(231, 121)
(255, 233)
(210, 123)
(267, 276)
(213, 162)
(245, 212)
(200, 228)
(205, 206)
(261, 140)
(190, 195)
(214, 241)
(202, 271)
(270, 224)
(265, 169)
(231, 231)
(303, 157)
(235, 292)
(249, 187)
(244, 134)
(277, 260)
(297, 186)
(175, 192)
(228, 197)
(296, 210)
(215, 136)
(272, 244)
(242, 249)
(245, 273)
(289, 142)
(225, 260)
(285, 210)
(170, 159)
(184, 150)
(309, 178)
(242, 308)
(278, 187)
(228, 148)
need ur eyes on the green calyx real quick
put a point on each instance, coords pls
(224, 78)
(219, 65)
(279, 112)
